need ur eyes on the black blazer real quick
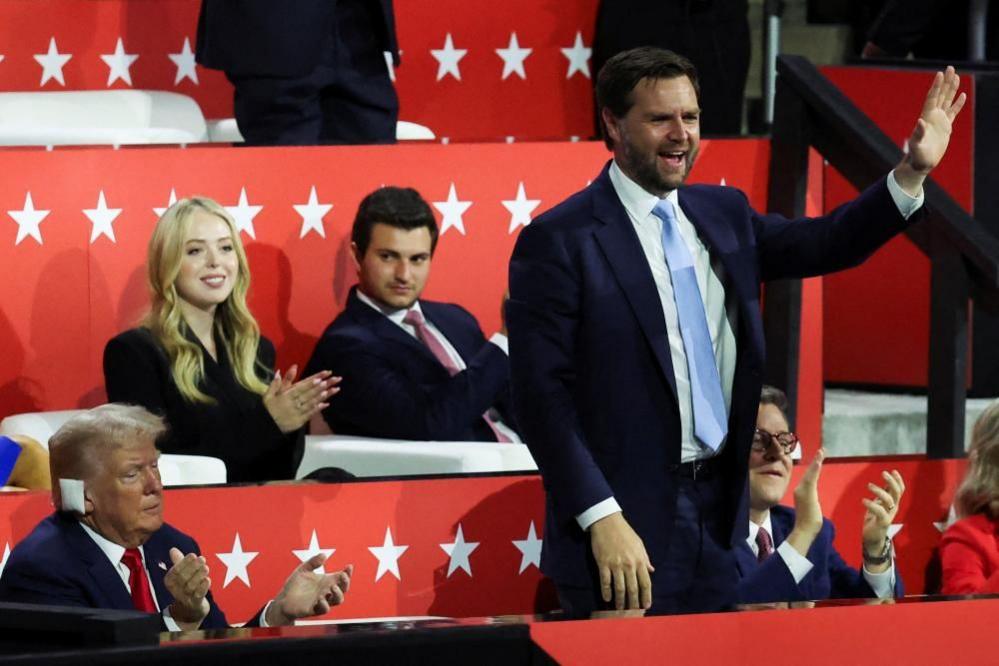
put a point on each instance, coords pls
(238, 428)
(60, 565)
(268, 38)
(394, 387)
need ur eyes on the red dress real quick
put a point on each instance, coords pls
(969, 554)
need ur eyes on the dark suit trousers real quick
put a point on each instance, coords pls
(347, 98)
(699, 572)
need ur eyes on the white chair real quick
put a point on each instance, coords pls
(175, 469)
(366, 457)
(225, 130)
(102, 117)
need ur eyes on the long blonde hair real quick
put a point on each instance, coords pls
(979, 491)
(233, 324)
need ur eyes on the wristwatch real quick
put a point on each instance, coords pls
(884, 557)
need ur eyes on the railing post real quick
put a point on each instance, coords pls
(977, 29)
(949, 294)
(788, 184)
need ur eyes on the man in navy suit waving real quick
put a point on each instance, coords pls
(789, 553)
(415, 369)
(636, 340)
(108, 546)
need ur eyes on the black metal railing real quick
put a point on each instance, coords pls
(964, 256)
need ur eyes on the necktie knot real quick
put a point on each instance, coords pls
(664, 211)
(132, 559)
(764, 544)
(414, 318)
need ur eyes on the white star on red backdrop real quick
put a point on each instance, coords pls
(452, 210)
(173, 199)
(101, 219)
(530, 550)
(579, 56)
(513, 58)
(312, 550)
(28, 220)
(243, 214)
(119, 64)
(52, 63)
(520, 209)
(458, 552)
(448, 58)
(185, 63)
(312, 213)
(388, 555)
(236, 562)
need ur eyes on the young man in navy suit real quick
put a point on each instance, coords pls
(636, 340)
(789, 553)
(412, 369)
(108, 546)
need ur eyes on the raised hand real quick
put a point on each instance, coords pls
(931, 135)
(291, 404)
(881, 511)
(308, 593)
(807, 510)
(188, 583)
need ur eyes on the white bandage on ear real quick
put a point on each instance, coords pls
(71, 492)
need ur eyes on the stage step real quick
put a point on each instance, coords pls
(858, 423)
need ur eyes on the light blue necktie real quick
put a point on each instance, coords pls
(710, 420)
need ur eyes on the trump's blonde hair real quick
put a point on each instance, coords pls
(234, 326)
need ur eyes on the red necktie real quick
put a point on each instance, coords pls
(764, 544)
(142, 596)
(426, 335)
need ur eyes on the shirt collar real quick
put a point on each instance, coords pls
(395, 314)
(113, 551)
(636, 200)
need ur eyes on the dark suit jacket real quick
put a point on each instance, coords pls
(394, 387)
(59, 564)
(830, 577)
(238, 428)
(288, 38)
(593, 381)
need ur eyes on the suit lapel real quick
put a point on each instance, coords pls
(619, 242)
(386, 329)
(156, 554)
(452, 330)
(101, 571)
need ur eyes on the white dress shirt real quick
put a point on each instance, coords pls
(398, 315)
(799, 565)
(721, 309)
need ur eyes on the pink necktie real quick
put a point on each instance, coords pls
(764, 544)
(426, 335)
(142, 596)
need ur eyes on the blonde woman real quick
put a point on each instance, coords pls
(199, 359)
(969, 550)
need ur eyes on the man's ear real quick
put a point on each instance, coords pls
(611, 127)
(355, 255)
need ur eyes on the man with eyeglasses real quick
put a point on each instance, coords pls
(789, 553)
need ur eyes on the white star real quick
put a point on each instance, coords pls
(520, 209)
(243, 213)
(894, 529)
(530, 550)
(28, 220)
(312, 214)
(388, 555)
(6, 556)
(458, 551)
(52, 63)
(447, 59)
(312, 550)
(723, 183)
(101, 219)
(578, 56)
(173, 199)
(185, 63)
(948, 521)
(513, 58)
(118, 64)
(236, 563)
(452, 210)
(1, 57)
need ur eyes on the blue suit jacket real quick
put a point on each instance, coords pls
(59, 564)
(394, 387)
(830, 577)
(593, 382)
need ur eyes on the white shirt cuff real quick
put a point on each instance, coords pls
(500, 341)
(168, 620)
(798, 564)
(905, 202)
(882, 583)
(598, 511)
(263, 614)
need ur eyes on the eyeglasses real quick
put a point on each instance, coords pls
(762, 439)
